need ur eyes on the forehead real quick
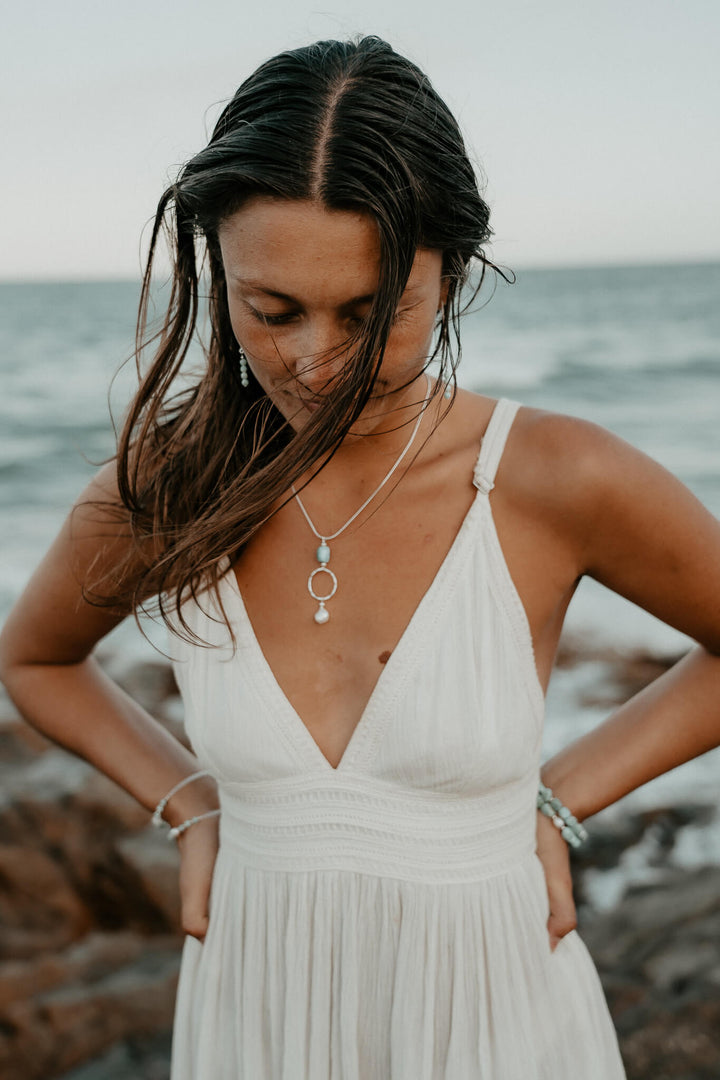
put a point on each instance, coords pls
(300, 247)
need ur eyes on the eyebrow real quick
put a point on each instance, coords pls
(366, 299)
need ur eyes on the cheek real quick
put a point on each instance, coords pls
(255, 338)
(412, 334)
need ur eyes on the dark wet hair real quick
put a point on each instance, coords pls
(353, 125)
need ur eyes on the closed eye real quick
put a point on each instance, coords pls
(286, 317)
(273, 320)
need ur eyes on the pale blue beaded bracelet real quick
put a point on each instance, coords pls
(570, 828)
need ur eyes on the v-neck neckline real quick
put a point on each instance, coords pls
(404, 657)
(390, 680)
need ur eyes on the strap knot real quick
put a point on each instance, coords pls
(482, 484)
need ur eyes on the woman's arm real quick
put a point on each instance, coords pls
(643, 534)
(673, 720)
(49, 672)
(635, 528)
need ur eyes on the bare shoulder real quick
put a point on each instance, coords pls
(633, 525)
(578, 467)
(563, 457)
(549, 455)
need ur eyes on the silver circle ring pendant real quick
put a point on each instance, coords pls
(322, 570)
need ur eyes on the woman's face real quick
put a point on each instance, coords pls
(300, 280)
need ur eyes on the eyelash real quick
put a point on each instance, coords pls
(271, 320)
(283, 320)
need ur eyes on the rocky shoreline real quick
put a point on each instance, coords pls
(88, 978)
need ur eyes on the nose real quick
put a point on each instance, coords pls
(322, 354)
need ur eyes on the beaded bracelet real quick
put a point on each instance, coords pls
(157, 818)
(570, 828)
(179, 829)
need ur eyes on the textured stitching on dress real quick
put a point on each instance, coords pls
(365, 789)
(505, 590)
(411, 871)
(413, 644)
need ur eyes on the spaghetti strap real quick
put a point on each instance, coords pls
(493, 443)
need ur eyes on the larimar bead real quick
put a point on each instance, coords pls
(323, 554)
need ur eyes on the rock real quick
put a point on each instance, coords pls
(606, 843)
(39, 908)
(62, 871)
(44, 1036)
(104, 800)
(679, 962)
(680, 1043)
(137, 1058)
(89, 908)
(8, 712)
(45, 779)
(88, 960)
(156, 863)
(150, 683)
(610, 839)
(646, 916)
(19, 742)
(620, 673)
(658, 955)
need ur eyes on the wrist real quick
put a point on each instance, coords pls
(565, 786)
(197, 798)
(196, 824)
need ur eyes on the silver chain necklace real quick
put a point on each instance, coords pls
(322, 552)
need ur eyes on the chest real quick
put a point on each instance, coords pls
(456, 697)
(382, 565)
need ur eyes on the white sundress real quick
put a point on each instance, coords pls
(386, 920)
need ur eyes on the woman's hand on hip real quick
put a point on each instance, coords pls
(198, 847)
(554, 855)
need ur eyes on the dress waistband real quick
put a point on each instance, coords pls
(360, 827)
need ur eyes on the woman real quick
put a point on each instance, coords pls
(366, 572)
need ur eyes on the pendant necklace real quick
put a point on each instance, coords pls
(322, 552)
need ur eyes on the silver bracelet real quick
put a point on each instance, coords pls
(157, 818)
(179, 829)
(563, 819)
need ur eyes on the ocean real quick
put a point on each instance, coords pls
(636, 349)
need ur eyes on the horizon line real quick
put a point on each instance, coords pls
(124, 279)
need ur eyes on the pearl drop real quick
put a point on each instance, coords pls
(321, 615)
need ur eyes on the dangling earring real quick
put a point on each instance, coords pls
(447, 393)
(244, 377)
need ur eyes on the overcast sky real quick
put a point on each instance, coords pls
(596, 122)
